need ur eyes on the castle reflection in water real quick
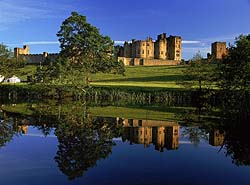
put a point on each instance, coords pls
(162, 134)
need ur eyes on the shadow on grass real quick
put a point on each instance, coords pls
(165, 78)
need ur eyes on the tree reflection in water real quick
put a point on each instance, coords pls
(7, 131)
(82, 142)
(232, 121)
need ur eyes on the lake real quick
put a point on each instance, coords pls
(44, 143)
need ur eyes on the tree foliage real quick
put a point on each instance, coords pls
(9, 65)
(235, 69)
(197, 74)
(86, 48)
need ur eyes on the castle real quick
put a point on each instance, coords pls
(164, 51)
(24, 53)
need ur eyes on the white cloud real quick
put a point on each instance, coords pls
(119, 42)
(41, 43)
(191, 42)
(196, 49)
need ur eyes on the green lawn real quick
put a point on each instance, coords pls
(142, 76)
(28, 70)
(147, 77)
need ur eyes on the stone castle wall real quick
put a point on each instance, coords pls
(33, 58)
(147, 62)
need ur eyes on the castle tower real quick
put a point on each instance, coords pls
(216, 138)
(21, 51)
(174, 48)
(172, 137)
(219, 50)
(159, 138)
(133, 48)
(160, 47)
(23, 129)
(143, 48)
(127, 50)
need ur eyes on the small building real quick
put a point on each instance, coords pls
(1, 78)
(13, 79)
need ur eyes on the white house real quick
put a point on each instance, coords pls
(13, 79)
(1, 78)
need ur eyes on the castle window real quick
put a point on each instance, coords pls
(140, 123)
(142, 51)
(161, 52)
(148, 52)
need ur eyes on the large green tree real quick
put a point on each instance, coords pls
(87, 50)
(235, 69)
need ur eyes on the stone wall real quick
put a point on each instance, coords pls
(147, 62)
(38, 58)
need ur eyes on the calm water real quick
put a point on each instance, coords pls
(111, 150)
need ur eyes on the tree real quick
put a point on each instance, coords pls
(83, 141)
(9, 66)
(197, 74)
(87, 50)
(235, 69)
(6, 133)
(5, 53)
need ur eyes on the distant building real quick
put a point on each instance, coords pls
(218, 50)
(164, 51)
(33, 58)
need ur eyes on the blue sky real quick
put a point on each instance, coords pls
(199, 22)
